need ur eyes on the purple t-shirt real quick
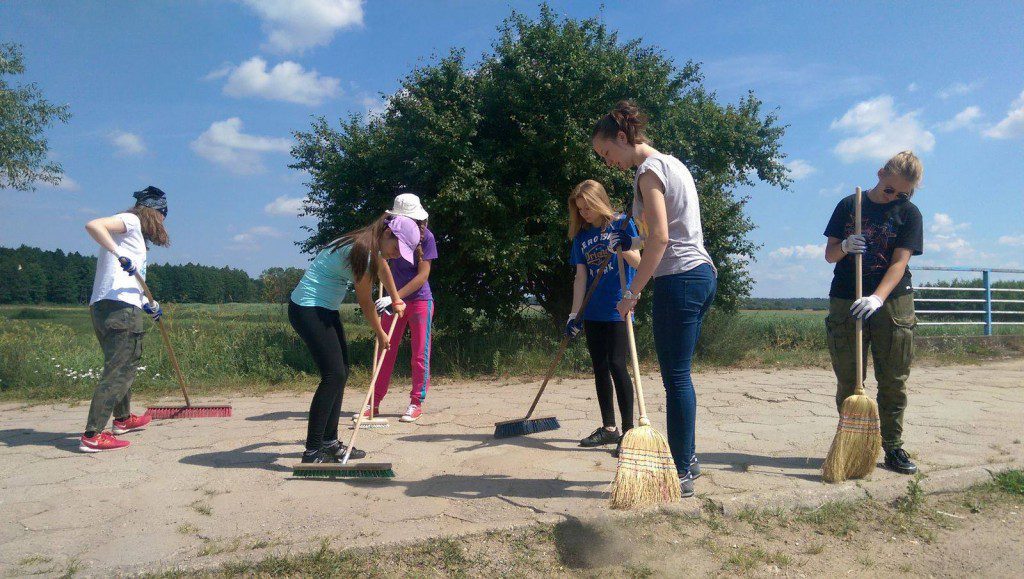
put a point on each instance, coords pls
(403, 271)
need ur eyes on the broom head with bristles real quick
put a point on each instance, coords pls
(338, 470)
(646, 475)
(524, 426)
(372, 423)
(168, 412)
(857, 443)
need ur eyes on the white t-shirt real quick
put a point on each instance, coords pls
(112, 282)
(685, 249)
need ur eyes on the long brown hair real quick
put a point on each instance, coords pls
(152, 223)
(625, 117)
(364, 242)
(597, 199)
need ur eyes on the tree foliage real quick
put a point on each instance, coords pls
(24, 117)
(494, 150)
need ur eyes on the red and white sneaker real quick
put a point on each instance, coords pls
(100, 442)
(133, 423)
(412, 413)
(366, 413)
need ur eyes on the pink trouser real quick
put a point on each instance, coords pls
(418, 316)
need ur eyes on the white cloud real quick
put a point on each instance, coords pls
(284, 205)
(912, 87)
(295, 25)
(249, 239)
(945, 240)
(1012, 240)
(836, 192)
(809, 251)
(127, 143)
(286, 81)
(963, 119)
(799, 169)
(880, 131)
(224, 143)
(958, 89)
(66, 184)
(1013, 125)
(375, 106)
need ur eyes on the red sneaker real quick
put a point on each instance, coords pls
(412, 413)
(100, 442)
(366, 413)
(133, 423)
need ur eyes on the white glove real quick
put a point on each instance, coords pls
(855, 244)
(864, 307)
(383, 305)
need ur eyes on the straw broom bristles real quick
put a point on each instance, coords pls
(857, 443)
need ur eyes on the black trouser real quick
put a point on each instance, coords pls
(608, 343)
(321, 330)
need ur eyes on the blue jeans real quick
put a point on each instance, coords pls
(680, 303)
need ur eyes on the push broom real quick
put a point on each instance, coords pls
(527, 425)
(373, 421)
(646, 474)
(858, 440)
(188, 410)
(343, 469)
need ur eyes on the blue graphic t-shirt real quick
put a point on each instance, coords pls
(589, 248)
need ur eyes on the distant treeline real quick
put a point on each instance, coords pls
(785, 304)
(29, 275)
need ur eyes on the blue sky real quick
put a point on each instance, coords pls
(200, 98)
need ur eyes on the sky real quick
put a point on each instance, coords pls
(201, 98)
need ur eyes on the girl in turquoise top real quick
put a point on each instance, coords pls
(359, 258)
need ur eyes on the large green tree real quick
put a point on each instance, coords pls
(495, 148)
(24, 117)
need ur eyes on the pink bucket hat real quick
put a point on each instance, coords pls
(408, 234)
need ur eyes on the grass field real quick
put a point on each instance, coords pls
(50, 352)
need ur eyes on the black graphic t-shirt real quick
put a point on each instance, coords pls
(885, 227)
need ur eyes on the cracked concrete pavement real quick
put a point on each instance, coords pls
(185, 485)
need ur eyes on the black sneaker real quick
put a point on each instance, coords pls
(618, 448)
(337, 450)
(600, 437)
(319, 457)
(897, 460)
(686, 485)
(694, 467)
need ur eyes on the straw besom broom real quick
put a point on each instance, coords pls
(646, 474)
(858, 440)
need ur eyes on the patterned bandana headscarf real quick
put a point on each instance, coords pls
(151, 197)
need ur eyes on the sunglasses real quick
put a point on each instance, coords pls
(901, 194)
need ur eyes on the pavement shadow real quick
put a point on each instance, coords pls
(457, 486)
(245, 457)
(282, 415)
(27, 437)
(488, 441)
(741, 462)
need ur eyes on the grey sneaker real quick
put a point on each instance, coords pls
(694, 467)
(686, 485)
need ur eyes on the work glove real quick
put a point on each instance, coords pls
(864, 307)
(127, 265)
(154, 310)
(855, 244)
(572, 326)
(383, 305)
(620, 239)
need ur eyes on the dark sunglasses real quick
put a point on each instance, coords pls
(901, 194)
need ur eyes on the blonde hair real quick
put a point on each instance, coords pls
(905, 165)
(597, 199)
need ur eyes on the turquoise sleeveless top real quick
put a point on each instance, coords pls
(326, 281)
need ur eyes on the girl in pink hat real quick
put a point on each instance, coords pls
(411, 278)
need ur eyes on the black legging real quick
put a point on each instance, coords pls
(321, 330)
(608, 343)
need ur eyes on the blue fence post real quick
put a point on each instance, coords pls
(986, 279)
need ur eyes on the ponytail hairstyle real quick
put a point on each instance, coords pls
(423, 233)
(152, 223)
(596, 197)
(625, 117)
(364, 245)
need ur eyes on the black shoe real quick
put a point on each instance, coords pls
(618, 449)
(319, 457)
(600, 437)
(897, 460)
(337, 450)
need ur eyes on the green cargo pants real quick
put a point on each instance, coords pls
(119, 327)
(890, 335)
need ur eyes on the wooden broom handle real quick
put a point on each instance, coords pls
(378, 363)
(565, 339)
(643, 421)
(163, 333)
(858, 267)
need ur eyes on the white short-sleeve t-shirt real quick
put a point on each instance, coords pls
(112, 282)
(685, 249)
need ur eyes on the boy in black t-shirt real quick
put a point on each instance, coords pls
(891, 233)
